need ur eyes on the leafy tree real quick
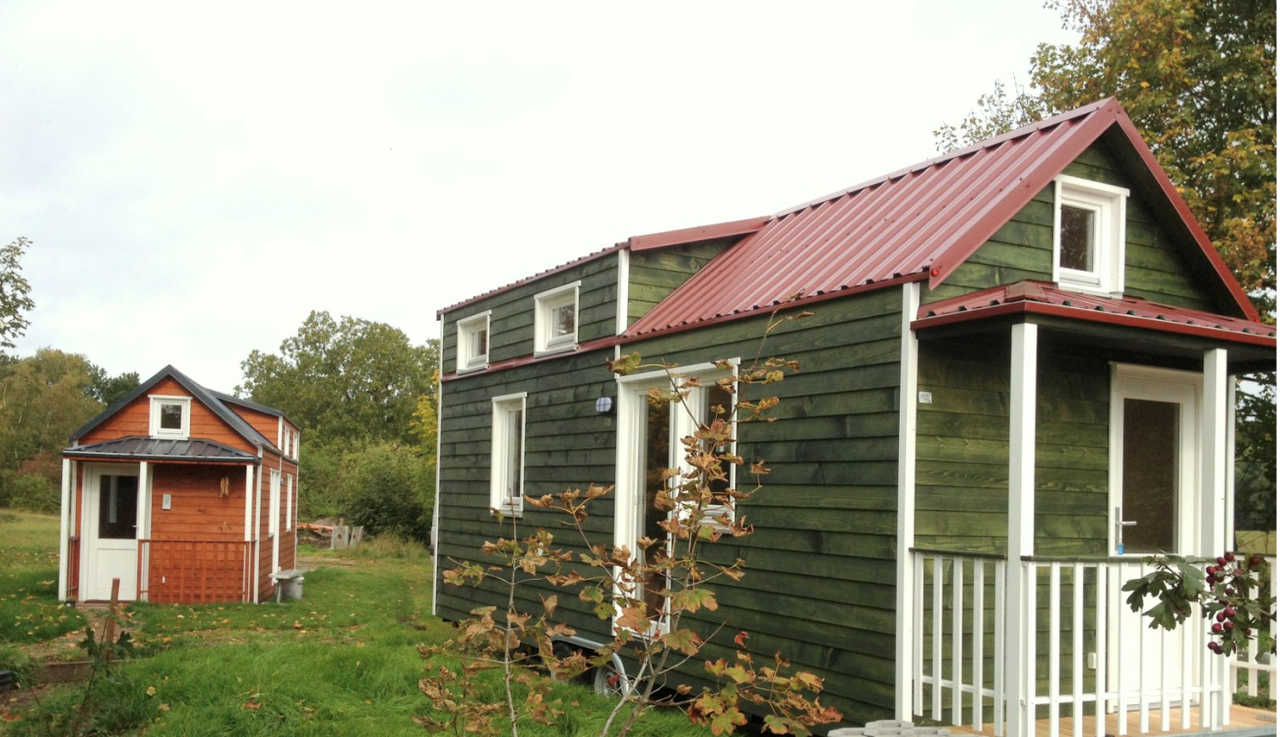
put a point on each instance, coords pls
(1256, 459)
(344, 379)
(383, 489)
(109, 389)
(15, 293)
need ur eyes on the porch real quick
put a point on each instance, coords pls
(1077, 659)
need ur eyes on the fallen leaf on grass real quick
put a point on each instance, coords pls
(151, 690)
(163, 707)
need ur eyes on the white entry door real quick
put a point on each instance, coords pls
(111, 532)
(1153, 501)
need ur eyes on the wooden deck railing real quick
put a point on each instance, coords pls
(73, 568)
(194, 571)
(1084, 656)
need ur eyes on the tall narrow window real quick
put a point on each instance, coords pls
(1088, 238)
(273, 524)
(473, 342)
(555, 321)
(506, 478)
(288, 502)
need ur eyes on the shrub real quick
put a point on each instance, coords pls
(382, 485)
(34, 493)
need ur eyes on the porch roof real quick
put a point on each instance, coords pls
(1031, 297)
(135, 448)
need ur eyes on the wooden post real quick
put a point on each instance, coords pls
(1019, 671)
(109, 626)
(907, 399)
(64, 531)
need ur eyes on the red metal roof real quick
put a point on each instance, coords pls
(916, 223)
(1044, 299)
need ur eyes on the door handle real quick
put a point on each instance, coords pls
(1121, 523)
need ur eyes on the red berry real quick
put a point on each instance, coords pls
(1230, 612)
(1221, 616)
(1255, 560)
(1230, 556)
(1229, 625)
(1217, 629)
(1248, 632)
(1215, 647)
(1239, 571)
(1222, 561)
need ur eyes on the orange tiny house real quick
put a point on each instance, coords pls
(184, 494)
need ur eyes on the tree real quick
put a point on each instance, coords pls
(110, 389)
(43, 399)
(15, 293)
(344, 379)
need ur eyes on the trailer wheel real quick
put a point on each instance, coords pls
(607, 681)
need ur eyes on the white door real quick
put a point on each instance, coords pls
(111, 532)
(1154, 461)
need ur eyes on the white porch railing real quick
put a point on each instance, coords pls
(1083, 653)
(1248, 662)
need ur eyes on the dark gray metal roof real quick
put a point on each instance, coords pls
(136, 448)
(207, 398)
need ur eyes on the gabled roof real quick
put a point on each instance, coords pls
(242, 402)
(1046, 299)
(922, 222)
(157, 449)
(204, 396)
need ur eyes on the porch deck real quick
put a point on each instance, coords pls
(1242, 717)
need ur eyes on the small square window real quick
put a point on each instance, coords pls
(473, 342)
(170, 417)
(1088, 238)
(556, 319)
(506, 478)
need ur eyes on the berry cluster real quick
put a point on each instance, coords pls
(1231, 582)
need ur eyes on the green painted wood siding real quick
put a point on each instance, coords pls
(1155, 269)
(655, 274)
(567, 445)
(962, 449)
(512, 316)
(820, 582)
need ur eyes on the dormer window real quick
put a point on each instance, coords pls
(170, 417)
(556, 319)
(473, 342)
(1088, 235)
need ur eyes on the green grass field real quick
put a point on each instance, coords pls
(341, 661)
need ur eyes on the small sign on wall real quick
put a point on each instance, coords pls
(926, 397)
(166, 501)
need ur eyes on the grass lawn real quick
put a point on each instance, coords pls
(341, 661)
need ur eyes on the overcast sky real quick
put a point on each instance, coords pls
(196, 178)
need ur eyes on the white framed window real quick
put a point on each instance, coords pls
(170, 416)
(288, 502)
(273, 523)
(650, 440)
(473, 342)
(506, 471)
(1088, 235)
(555, 320)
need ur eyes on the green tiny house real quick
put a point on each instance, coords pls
(1016, 351)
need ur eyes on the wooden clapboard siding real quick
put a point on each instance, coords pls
(962, 466)
(655, 274)
(1155, 268)
(267, 424)
(568, 445)
(198, 510)
(512, 312)
(135, 419)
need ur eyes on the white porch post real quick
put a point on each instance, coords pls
(1019, 665)
(248, 519)
(64, 530)
(1213, 497)
(908, 384)
(143, 527)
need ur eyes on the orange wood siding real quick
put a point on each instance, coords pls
(268, 425)
(198, 511)
(135, 419)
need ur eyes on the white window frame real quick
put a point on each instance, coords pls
(288, 503)
(1107, 202)
(633, 403)
(273, 525)
(469, 358)
(500, 456)
(160, 400)
(544, 306)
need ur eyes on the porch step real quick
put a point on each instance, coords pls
(889, 728)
